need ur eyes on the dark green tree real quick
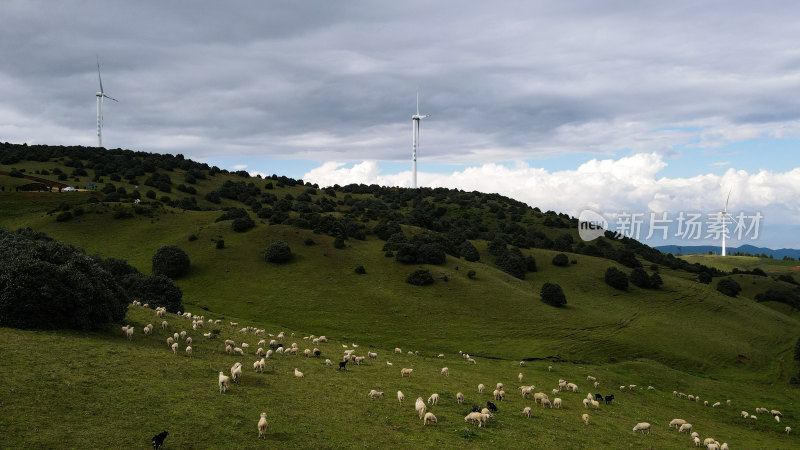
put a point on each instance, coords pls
(171, 261)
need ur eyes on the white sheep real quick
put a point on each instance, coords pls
(262, 426)
(585, 418)
(188, 341)
(549, 368)
(445, 371)
(754, 417)
(429, 417)
(400, 397)
(596, 383)
(622, 388)
(586, 403)
(307, 352)
(420, 407)
(573, 387)
(188, 350)
(473, 417)
(175, 348)
(632, 387)
(642, 426)
(238, 351)
(397, 350)
(501, 395)
(433, 399)
(522, 363)
(546, 403)
(777, 419)
(705, 403)
(728, 402)
(527, 412)
(460, 398)
(519, 377)
(788, 430)
(555, 391)
(557, 403)
(298, 374)
(328, 362)
(440, 356)
(262, 343)
(696, 441)
(147, 329)
(129, 333)
(372, 355)
(164, 325)
(526, 390)
(538, 396)
(676, 423)
(183, 334)
(500, 386)
(208, 335)
(389, 364)
(471, 361)
(591, 378)
(651, 388)
(481, 387)
(223, 382)
(375, 394)
(236, 372)
(170, 341)
(595, 404)
(716, 405)
(775, 412)
(724, 446)
(404, 372)
(685, 428)
(695, 434)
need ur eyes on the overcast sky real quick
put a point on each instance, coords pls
(615, 105)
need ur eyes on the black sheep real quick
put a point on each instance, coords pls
(343, 364)
(491, 406)
(609, 398)
(158, 440)
(317, 352)
(598, 397)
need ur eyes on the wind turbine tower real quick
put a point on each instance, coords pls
(415, 140)
(723, 215)
(100, 96)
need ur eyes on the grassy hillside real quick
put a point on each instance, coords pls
(683, 336)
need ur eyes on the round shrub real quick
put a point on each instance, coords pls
(420, 277)
(561, 260)
(553, 295)
(171, 261)
(192, 237)
(704, 277)
(220, 244)
(656, 281)
(471, 274)
(309, 241)
(469, 252)
(640, 278)
(361, 270)
(729, 287)
(278, 252)
(242, 224)
(64, 216)
(616, 278)
(338, 242)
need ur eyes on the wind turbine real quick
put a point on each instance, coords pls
(415, 139)
(723, 215)
(100, 96)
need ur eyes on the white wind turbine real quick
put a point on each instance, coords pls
(723, 215)
(415, 140)
(100, 95)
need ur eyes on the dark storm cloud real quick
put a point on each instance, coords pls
(326, 80)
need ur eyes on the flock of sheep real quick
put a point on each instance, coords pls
(480, 417)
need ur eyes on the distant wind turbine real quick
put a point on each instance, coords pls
(100, 96)
(723, 215)
(415, 139)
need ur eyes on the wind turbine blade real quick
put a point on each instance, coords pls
(729, 198)
(112, 98)
(417, 101)
(98, 74)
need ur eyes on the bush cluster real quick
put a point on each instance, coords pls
(171, 261)
(278, 252)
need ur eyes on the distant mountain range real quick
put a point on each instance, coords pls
(715, 249)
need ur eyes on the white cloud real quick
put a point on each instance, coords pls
(610, 185)
(240, 167)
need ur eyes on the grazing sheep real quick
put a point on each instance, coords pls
(473, 417)
(259, 351)
(555, 391)
(420, 407)
(188, 350)
(609, 399)
(175, 348)
(129, 333)
(440, 356)
(375, 394)
(268, 354)
(591, 378)
(676, 423)
(754, 417)
(433, 399)
(596, 383)
(586, 403)
(298, 374)
(622, 388)
(429, 417)
(372, 355)
(526, 390)
(696, 441)
(685, 428)
(651, 388)
(491, 406)
(519, 377)
(188, 341)
(230, 342)
(691, 397)
(724, 446)
(775, 412)
(262, 343)
(522, 363)
(585, 418)
(405, 371)
(147, 329)
(642, 426)
(208, 335)
(342, 365)
(328, 362)
(778, 419)
(236, 372)
(460, 398)
(445, 371)
(223, 382)
(549, 368)
(481, 387)
(557, 403)
(400, 397)
(632, 387)
(500, 395)
(262, 426)
(788, 430)
(307, 352)
(538, 396)
(728, 402)
(397, 350)
(546, 403)
(238, 351)
(164, 325)
(695, 434)
(716, 405)
(183, 334)
(257, 366)
(598, 397)
(595, 404)
(471, 361)
(170, 341)
(527, 412)
(705, 403)
(389, 364)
